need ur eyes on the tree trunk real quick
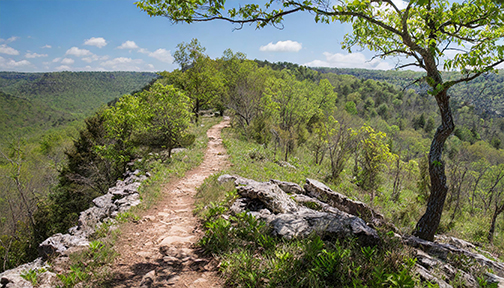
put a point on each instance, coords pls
(498, 210)
(428, 224)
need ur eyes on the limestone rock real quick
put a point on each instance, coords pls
(276, 200)
(442, 250)
(12, 278)
(288, 187)
(127, 202)
(267, 201)
(59, 243)
(238, 180)
(325, 194)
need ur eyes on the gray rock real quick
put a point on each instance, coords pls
(238, 180)
(491, 278)
(307, 221)
(442, 250)
(148, 279)
(103, 201)
(265, 200)
(12, 278)
(289, 187)
(325, 194)
(59, 243)
(90, 219)
(276, 200)
(127, 202)
(425, 275)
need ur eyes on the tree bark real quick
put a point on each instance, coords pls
(498, 210)
(428, 224)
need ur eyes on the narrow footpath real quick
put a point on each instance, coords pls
(159, 250)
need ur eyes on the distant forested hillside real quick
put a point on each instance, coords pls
(34, 101)
(484, 93)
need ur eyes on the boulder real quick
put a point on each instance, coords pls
(267, 201)
(127, 202)
(288, 187)
(320, 191)
(59, 243)
(276, 200)
(12, 278)
(442, 250)
(238, 180)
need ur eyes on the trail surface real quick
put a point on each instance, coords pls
(159, 250)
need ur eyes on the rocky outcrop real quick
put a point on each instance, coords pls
(320, 191)
(293, 211)
(119, 198)
(289, 218)
(436, 259)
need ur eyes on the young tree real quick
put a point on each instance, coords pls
(422, 31)
(188, 53)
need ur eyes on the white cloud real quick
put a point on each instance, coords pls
(12, 39)
(282, 46)
(150, 66)
(128, 45)
(8, 50)
(96, 41)
(122, 64)
(63, 67)
(78, 52)
(9, 64)
(34, 55)
(67, 61)
(95, 58)
(352, 60)
(162, 55)
(144, 51)
(55, 60)
(46, 46)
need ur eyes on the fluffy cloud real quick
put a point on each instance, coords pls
(122, 64)
(96, 41)
(67, 61)
(162, 55)
(55, 60)
(282, 46)
(34, 55)
(128, 45)
(78, 52)
(8, 50)
(46, 46)
(63, 67)
(11, 39)
(144, 51)
(9, 64)
(352, 60)
(95, 58)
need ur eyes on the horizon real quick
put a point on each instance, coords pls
(115, 35)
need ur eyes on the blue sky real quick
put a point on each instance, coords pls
(112, 35)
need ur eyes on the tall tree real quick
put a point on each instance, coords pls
(188, 53)
(423, 31)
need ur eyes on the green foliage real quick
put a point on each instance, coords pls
(374, 155)
(89, 266)
(31, 102)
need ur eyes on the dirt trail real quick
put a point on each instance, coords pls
(159, 251)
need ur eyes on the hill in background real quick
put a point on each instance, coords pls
(37, 101)
(483, 93)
